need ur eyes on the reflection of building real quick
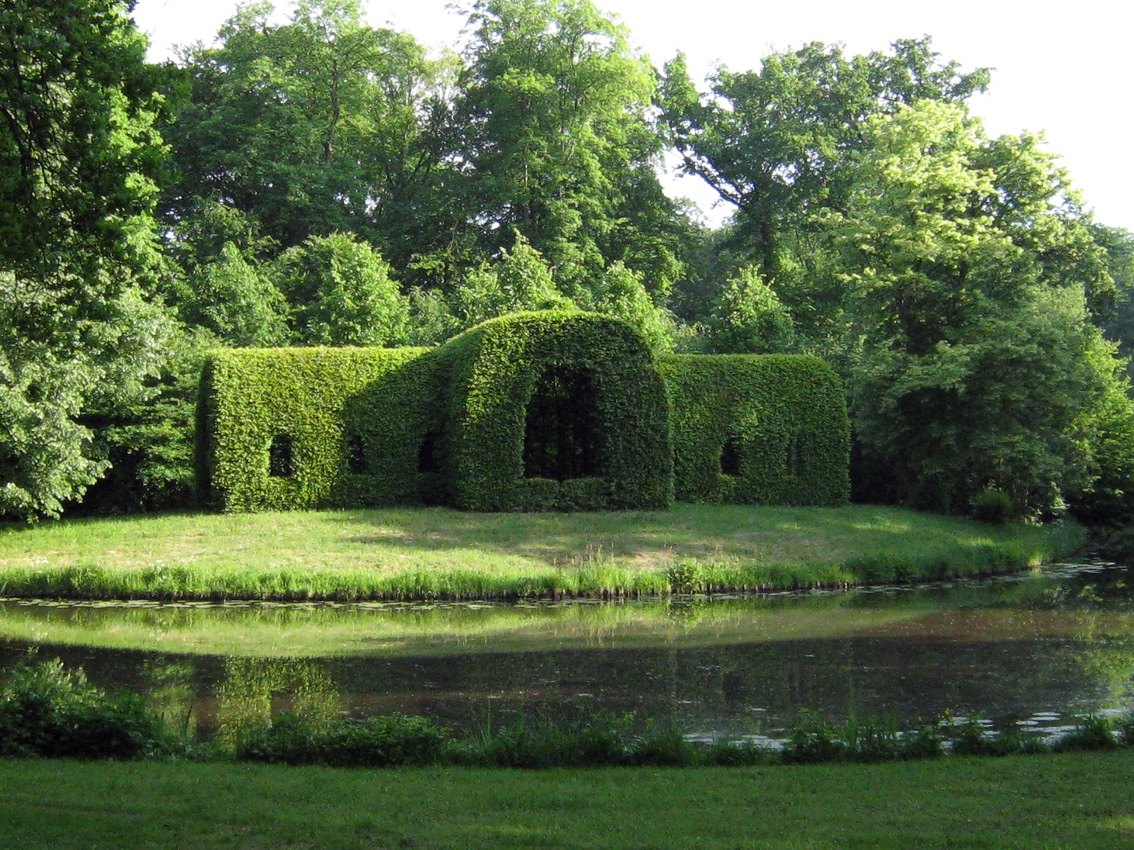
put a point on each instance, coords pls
(533, 411)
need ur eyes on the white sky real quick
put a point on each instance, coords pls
(1066, 71)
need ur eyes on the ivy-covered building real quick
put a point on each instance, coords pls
(533, 411)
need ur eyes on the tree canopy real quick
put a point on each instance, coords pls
(776, 142)
(78, 160)
(976, 365)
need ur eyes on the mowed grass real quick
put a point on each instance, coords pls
(1079, 800)
(435, 552)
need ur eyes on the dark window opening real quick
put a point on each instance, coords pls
(428, 456)
(280, 457)
(357, 461)
(794, 460)
(730, 458)
(561, 427)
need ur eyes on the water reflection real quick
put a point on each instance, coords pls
(1025, 650)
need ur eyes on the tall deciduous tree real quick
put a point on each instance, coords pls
(775, 142)
(555, 112)
(78, 155)
(320, 125)
(978, 366)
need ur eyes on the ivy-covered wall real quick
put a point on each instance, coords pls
(533, 411)
(765, 429)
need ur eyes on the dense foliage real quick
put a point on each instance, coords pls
(312, 427)
(323, 181)
(769, 430)
(78, 159)
(975, 365)
(48, 711)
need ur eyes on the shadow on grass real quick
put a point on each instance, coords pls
(718, 533)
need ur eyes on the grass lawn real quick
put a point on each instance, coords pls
(1074, 800)
(434, 552)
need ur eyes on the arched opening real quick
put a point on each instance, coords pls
(730, 458)
(561, 427)
(357, 462)
(281, 457)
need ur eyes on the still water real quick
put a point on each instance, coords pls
(1031, 650)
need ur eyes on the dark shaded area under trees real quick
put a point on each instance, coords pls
(326, 182)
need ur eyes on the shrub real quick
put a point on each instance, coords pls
(663, 745)
(355, 419)
(533, 411)
(813, 741)
(1090, 733)
(51, 712)
(588, 739)
(558, 396)
(389, 741)
(994, 507)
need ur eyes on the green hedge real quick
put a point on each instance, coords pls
(757, 429)
(355, 417)
(533, 411)
(592, 369)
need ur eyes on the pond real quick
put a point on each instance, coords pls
(1032, 650)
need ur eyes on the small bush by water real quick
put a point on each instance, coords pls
(51, 712)
(391, 741)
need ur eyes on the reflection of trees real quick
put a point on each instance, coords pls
(170, 692)
(1004, 648)
(254, 690)
(1104, 649)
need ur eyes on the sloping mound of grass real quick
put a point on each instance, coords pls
(417, 553)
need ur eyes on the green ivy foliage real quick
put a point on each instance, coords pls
(767, 429)
(555, 410)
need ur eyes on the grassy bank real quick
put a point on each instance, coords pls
(1077, 800)
(439, 553)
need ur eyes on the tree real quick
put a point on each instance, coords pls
(749, 318)
(623, 294)
(235, 297)
(775, 142)
(1118, 247)
(318, 126)
(520, 280)
(555, 121)
(341, 293)
(78, 157)
(977, 366)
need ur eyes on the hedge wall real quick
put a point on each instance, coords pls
(555, 410)
(351, 419)
(533, 411)
(767, 429)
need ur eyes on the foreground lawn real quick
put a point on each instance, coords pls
(1079, 800)
(432, 552)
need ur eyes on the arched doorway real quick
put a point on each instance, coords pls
(561, 438)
